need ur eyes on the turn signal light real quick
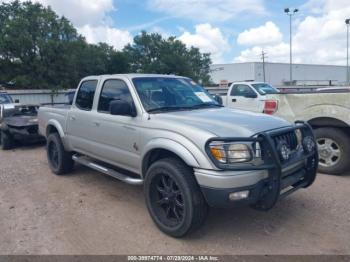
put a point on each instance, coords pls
(218, 153)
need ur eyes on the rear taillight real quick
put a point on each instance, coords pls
(270, 107)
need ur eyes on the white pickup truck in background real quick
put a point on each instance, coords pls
(251, 96)
(326, 110)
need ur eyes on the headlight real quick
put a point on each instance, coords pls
(239, 153)
(230, 153)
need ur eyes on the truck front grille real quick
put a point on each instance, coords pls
(289, 137)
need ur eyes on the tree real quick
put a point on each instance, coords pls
(38, 49)
(150, 53)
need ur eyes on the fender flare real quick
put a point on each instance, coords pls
(327, 111)
(172, 146)
(55, 124)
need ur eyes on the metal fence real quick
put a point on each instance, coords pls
(41, 96)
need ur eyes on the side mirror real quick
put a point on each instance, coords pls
(122, 108)
(218, 99)
(16, 101)
(250, 95)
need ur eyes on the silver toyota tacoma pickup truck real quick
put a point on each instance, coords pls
(189, 152)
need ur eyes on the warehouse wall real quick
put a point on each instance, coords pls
(232, 72)
(278, 73)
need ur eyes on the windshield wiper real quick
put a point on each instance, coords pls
(166, 108)
(204, 105)
(170, 108)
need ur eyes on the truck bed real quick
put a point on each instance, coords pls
(58, 112)
(305, 106)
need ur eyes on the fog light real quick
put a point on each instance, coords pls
(309, 144)
(239, 195)
(284, 150)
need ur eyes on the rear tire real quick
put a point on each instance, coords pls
(60, 160)
(173, 197)
(334, 150)
(6, 141)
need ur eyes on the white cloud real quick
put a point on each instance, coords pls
(91, 19)
(268, 33)
(276, 53)
(314, 6)
(208, 39)
(80, 12)
(112, 36)
(319, 37)
(207, 10)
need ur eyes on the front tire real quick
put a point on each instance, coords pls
(60, 161)
(334, 150)
(173, 197)
(6, 141)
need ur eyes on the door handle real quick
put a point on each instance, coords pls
(72, 118)
(234, 100)
(96, 124)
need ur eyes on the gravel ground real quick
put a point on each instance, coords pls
(89, 213)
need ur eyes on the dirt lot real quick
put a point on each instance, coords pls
(89, 213)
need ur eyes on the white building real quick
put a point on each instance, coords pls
(278, 73)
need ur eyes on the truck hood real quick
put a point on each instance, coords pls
(222, 122)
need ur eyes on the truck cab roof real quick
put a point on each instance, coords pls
(130, 76)
(247, 83)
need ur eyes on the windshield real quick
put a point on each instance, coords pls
(264, 89)
(166, 94)
(5, 99)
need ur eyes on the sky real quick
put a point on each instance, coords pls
(231, 30)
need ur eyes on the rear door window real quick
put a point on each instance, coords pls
(241, 90)
(85, 96)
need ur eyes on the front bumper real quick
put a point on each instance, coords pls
(26, 133)
(266, 183)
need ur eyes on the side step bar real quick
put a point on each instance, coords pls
(290, 191)
(108, 171)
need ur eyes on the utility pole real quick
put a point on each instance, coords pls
(290, 13)
(347, 22)
(263, 57)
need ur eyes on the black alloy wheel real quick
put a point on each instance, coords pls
(173, 197)
(169, 200)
